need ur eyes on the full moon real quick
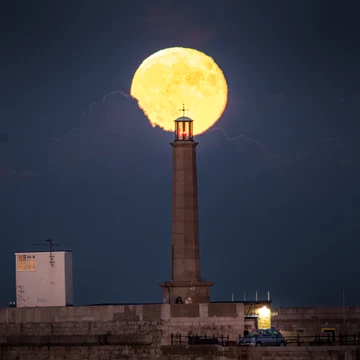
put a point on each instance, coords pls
(172, 77)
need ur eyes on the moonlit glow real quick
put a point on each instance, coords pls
(172, 77)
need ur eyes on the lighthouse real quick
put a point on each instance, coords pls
(186, 284)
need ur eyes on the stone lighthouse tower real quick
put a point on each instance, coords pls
(186, 281)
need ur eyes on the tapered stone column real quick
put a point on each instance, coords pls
(186, 279)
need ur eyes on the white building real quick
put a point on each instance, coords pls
(44, 278)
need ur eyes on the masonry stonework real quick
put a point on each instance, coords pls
(310, 320)
(144, 332)
(186, 279)
(131, 329)
(265, 353)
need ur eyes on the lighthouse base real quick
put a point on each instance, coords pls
(190, 292)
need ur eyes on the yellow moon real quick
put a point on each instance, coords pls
(172, 77)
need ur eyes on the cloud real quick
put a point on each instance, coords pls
(105, 131)
(241, 144)
(324, 153)
(12, 176)
(327, 152)
(322, 147)
(115, 129)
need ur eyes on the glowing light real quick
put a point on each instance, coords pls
(264, 312)
(176, 76)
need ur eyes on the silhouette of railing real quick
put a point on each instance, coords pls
(306, 340)
(179, 339)
(324, 340)
(299, 340)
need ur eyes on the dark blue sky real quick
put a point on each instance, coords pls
(278, 177)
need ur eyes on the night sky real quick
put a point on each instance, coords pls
(278, 174)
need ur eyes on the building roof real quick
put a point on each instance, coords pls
(259, 302)
(42, 251)
(183, 118)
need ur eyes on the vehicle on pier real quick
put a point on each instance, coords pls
(263, 337)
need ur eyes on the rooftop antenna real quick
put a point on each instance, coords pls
(51, 249)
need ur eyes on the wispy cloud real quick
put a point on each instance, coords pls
(103, 126)
(323, 152)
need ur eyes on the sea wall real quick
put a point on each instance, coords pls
(265, 353)
(310, 320)
(144, 332)
(160, 320)
(115, 351)
(122, 327)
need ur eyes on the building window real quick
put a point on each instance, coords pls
(26, 263)
(31, 264)
(21, 263)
